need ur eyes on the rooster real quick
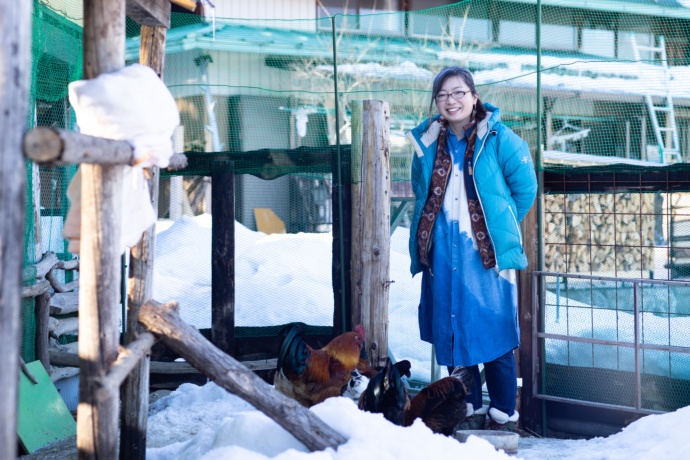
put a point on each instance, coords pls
(441, 405)
(386, 394)
(310, 376)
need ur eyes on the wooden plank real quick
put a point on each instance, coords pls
(15, 67)
(374, 228)
(35, 289)
(135, 390)
(164, 321)
(127, 359)
(65, 358)
(101, 194)
(155, 13)
(187, 4)
(223, 261)
(42, 315)
(61, 147)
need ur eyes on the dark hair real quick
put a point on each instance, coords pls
(456, 71)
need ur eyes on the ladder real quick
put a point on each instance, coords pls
(667, 153)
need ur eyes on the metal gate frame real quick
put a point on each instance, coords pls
(537, 334)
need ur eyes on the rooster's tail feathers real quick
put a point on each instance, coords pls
(293, 350)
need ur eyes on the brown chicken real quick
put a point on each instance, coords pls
(310, 376)
(441, 405)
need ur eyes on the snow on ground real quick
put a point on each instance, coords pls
(284, 278)
(211, 424)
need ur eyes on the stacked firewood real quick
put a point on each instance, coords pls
(604, 233)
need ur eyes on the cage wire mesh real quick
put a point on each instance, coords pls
(262, 94)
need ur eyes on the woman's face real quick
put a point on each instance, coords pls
(456, 111)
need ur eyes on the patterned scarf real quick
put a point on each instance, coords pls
(437, 191)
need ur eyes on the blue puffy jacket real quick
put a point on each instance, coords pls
(503, 176)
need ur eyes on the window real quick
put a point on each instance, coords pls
(599, 42)
(470, 30)
(557, 37)
(522, 34)
(625, 47)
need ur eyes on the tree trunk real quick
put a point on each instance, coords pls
(15, 53)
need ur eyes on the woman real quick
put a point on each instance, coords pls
(474, 181)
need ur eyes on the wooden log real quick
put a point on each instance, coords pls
(135, 390)
(35, 289)
(66, 326)
(42, 316)
(373, 213)
(62, 303)
(164, 320)
(15, 68)
(63, 357)
(154, 13)
(126, 360)
(223, 261)
(101, 194)
(61, 147)
(68, 264)
(52, 324)
(46, 264)
(27, 372)
(59, 373)
(58, 286)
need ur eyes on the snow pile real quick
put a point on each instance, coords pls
(659, 437)
(279, 279)
(218, 425)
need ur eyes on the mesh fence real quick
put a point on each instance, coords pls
(281, 98)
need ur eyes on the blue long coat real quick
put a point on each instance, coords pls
(470, 313)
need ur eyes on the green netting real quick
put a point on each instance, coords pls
(279, 101)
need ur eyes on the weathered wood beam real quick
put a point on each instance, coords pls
(165, 321)
(127, 359)
(101, 195)
(58, 286)
(42, 316)
(46, 264)
(71, 359)
(149, 12)
(223, 260)
(62, 303)
(66, 326)
(15, 68)
(61, 147)
(35, 289)
(135, 391)
(371, 210)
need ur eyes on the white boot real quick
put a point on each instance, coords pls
(500, 421)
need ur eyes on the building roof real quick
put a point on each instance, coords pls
(659, 8)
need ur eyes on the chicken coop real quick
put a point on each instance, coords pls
(271, 130)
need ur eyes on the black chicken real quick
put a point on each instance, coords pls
(386, 393)
(441, 405)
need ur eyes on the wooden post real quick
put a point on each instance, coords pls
(530, 414)
(643, 137)
(15, 65)
(371, 236)
(164, 320)
(99, 293)
(135, 390)
(356, 218)
(627, 139)
(223, 259)
(42, 315)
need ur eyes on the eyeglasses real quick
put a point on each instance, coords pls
(457, 95)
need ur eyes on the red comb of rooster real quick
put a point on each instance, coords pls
(360, 330)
